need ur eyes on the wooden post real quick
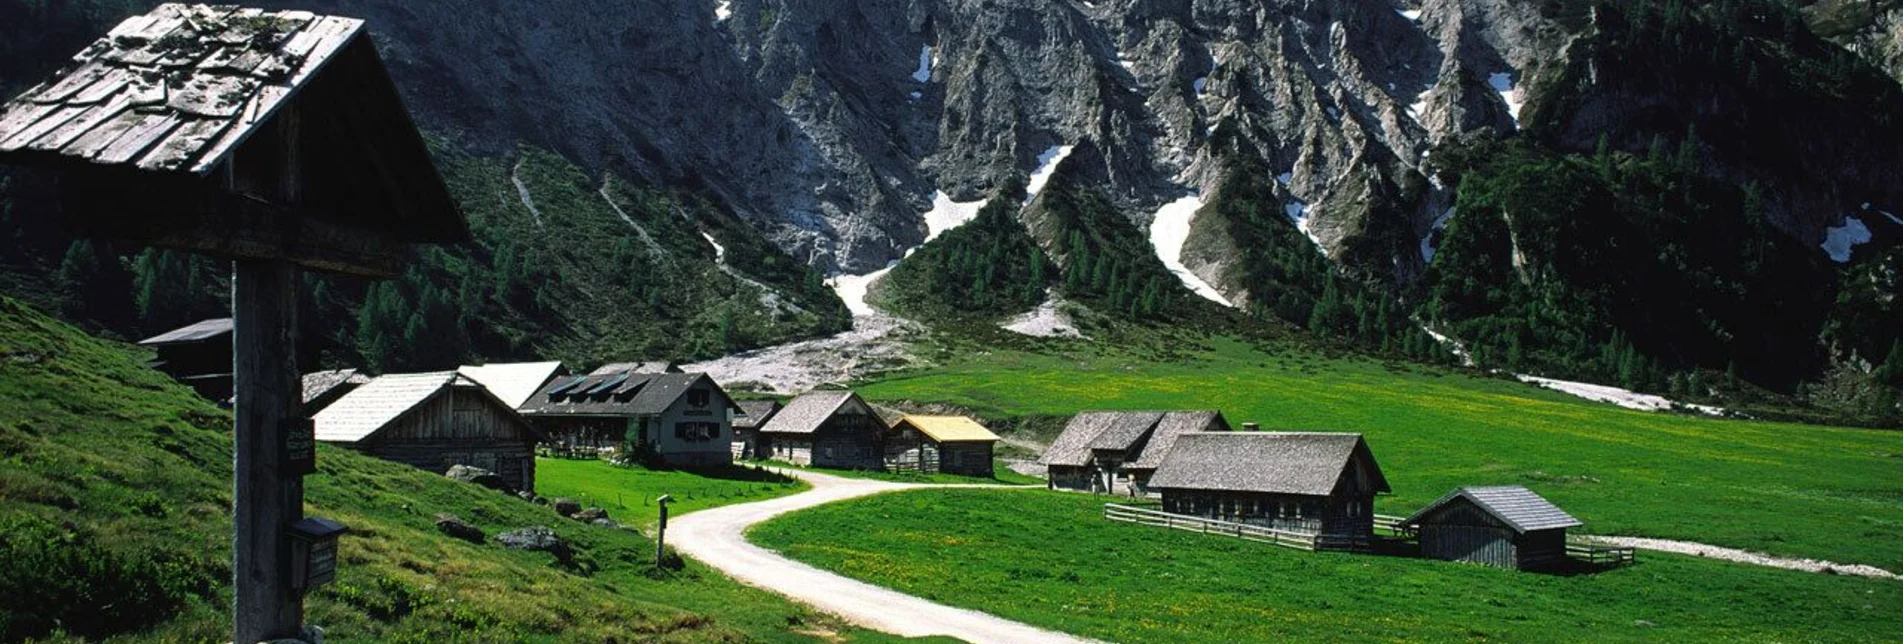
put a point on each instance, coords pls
(660, 534)
(265, 499)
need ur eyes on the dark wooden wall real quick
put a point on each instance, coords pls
(463, 427)
(1342, 522)
(968, 459)
(1461, 531)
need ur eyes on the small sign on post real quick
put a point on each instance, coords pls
(660, 535)
(300, 447)
(313, 552)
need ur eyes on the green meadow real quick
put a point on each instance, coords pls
(1050, 559)
(1001, 475)
(1800, 490)
(629, 493)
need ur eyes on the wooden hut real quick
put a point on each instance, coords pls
(433, 421)
(1105, 451)
(514, 382)
(677, 419)
(1316, 483)
(827, 429)
(324, 387)
(1505, 526)
(1141, 466)
(198, 355)
(942, 444)
(752, 415)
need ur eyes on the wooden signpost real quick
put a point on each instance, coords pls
(271, 138)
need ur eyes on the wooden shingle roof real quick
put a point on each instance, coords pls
(805, 414)
(950, 429)
(1174, 425)
(177, 89)
(618, 395)
(754, 413)
(195, 332)
(513, 383)
(1514, 505)
(373, 406)
(318, 383)
(1305, 463)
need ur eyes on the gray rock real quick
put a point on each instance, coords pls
(605, 523)
(454, 526)
(478, 476)
(567, 507)
(528, 496)
(536, 539)
(590, 514)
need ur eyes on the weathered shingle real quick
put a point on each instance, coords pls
(754, 413)
(620, 394)
(1307, 463)
(1126, 430)
(513, 383)
(195, 332)
(805, 414)
(1174, 425)
(373, 406)
(1073, 445)
(320, 383)
(1515, 505)
(176, 89)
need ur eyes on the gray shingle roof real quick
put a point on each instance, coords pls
(373, 406)
(322, 382)
(195, 332)
(1307, 463)
(754, 413)
(1080, 435)
(1515, 505)
(1174, 425)
(513, 383)
(1126, 430)
(176, 89)
(621, 394)
(804, 415)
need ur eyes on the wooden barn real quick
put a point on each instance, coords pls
(942, 444)
(325, 387)
(677, 419)
(1104, 451)
(1505, 526)
(827, 429)
(433, 421)
(746, 427)
(514, 382)
(1313, 483)
(198, 355)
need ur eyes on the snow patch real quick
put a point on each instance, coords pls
(1459, 350)
(1502, 82)
(723, 10)
(1621, 397)
(915, 95)
(925, 60)
(947, 214)
(1427, 240)
(522, 191)
(1200, 85)
(1419, 108)
(1045, 321)
(1285, 178)
(1744, 556)
(1046, 166)
(1169, 231)
(851, 289)
(1410, 14)
(1893, 218)
(1840, 239)
(720, 252)
(1298, 212)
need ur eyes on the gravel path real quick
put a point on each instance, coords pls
(1745, 556)
(718, 537)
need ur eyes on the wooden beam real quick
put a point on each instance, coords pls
(265, 499)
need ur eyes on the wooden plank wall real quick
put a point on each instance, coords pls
(464, 427)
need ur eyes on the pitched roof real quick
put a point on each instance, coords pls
(378, 403)
(318, 383)
(651, 366)
(1083, 432)
(176, 89)
(1174, 425)
(1307, 463)
(622, 394)
(950, 429)
(1517, 506)
(195, 332)
(805, 414)
(514, 382)
(754, 413)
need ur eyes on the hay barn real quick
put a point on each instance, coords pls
(433, 421)
(1506, 526)
(827, 429)
(1307, 482)
(941, 444)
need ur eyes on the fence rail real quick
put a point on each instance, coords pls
(1392, 525)
(1599, 554)
(1243, 531)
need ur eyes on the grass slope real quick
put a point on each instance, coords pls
(1788, 489)
(1001, 475)
(628, 493)
(1051, 559)
(114, 525)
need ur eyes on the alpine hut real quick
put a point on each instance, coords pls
(827, 429)
(746, 426)
(324, 387)
(1506, 526)
(433, 421)
(676, 419)
(198, 355)
(1314, 483)
(1104, 451)
(942, 444)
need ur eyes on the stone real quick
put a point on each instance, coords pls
(536, 539)
(454, 526)
(528, 496)
(605, 523)
(589, 515)
(478, 476)
(567, 507)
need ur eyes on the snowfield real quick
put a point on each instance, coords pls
(947, 214)
(1046, 166)
(1048, 320)
(1427, 240)
(720, 252)
(852, 290)
(1621, 397)
(1169, 231)
(1839, 240)
(723, 10)
(924, 72)
(1502, 82)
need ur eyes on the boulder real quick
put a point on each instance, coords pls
(604, 523)
(536, 539)
(567, 507)
(454, 526)
(589, 515)
(478, 476)
(529, 496)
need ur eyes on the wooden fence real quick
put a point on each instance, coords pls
(1599, 554)
(1243, 531)
(1391, 525)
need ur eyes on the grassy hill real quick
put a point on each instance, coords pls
(1129, 583)
(1801, 490)
(114, 525)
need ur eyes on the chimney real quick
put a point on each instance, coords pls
(1252, 427)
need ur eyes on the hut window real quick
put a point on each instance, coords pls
(699, 397)
(696, 432)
